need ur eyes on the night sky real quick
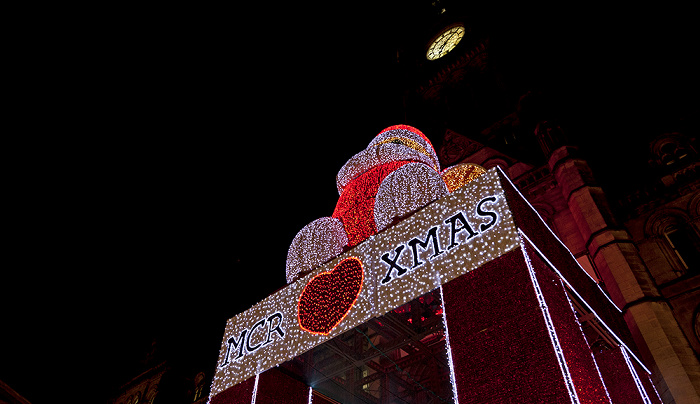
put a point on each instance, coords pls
(177, 154)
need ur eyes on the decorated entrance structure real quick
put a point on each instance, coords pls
(471, 299)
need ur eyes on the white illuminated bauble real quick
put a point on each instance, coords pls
(315, 244)
(405, 191)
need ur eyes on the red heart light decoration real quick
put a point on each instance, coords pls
(329, 296)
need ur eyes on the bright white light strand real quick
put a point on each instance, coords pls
(588, 307)
(255, 389)
(311, 395)
(552, 331)
(453, 381)
(583, 335)
(560, 242)
(637, 381)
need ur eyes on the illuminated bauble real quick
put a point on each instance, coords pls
(406, 190)
(395, 143)
(460, 175)
(367, 202)
(356, 205)
(410, 137)
(445, 41)
(316, 243)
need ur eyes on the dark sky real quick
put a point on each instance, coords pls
(179, 151)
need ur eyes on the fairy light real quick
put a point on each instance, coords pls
(329, 297)
(405, 190)
(396, 143)
(311, 395)
(653, 387)
(466, 227)
(316, 243)
(404, 141)
(409, 136)
(355, 207)
(460, 175)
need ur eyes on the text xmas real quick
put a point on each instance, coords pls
(459, 228)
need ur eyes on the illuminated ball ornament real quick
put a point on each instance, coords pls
(327, 234)
(460, 175)
(397, 174)
(412, 185)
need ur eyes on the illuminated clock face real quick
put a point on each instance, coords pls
(445, 42)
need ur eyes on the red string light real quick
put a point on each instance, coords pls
(355, 206)
(329, 296)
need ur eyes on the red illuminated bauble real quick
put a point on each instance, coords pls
(329, 296)
(355, 207)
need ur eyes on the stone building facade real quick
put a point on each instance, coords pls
(645, 255)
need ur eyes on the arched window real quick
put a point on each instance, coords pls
(495, 161)
(152, 392)
(677, 238)
(671, 149)
(199, 386)
(684, 245)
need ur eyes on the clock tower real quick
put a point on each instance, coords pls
(463, 69)
(445, 41)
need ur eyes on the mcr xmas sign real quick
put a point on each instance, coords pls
(449, 237)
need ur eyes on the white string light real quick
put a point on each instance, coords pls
(552, 332)
(450, 361)
(635, 376)
(255, 389)
(583, 301)
(583, 335)
(504, 175)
